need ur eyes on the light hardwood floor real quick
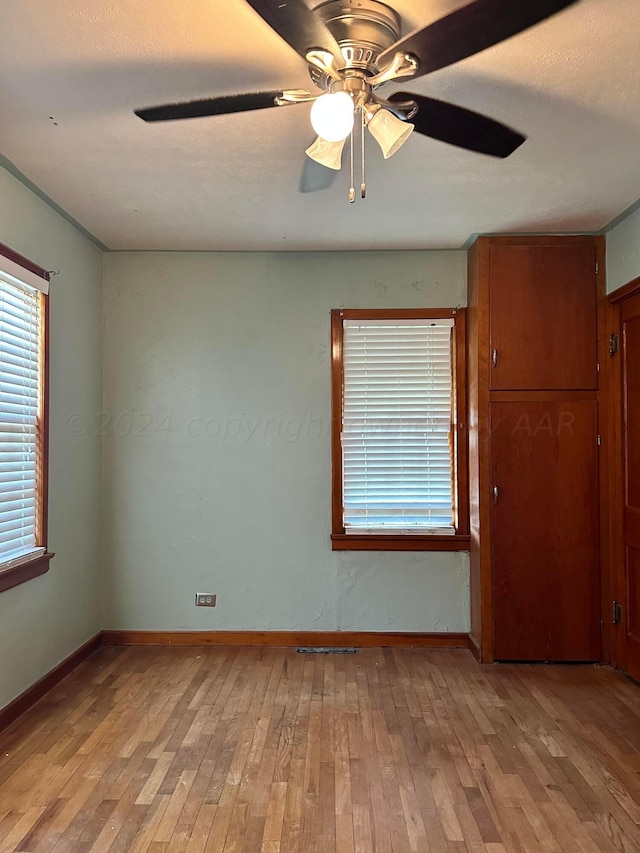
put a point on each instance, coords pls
(264, 750)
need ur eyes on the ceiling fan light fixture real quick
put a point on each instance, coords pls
(389, 131)
(332, 116)
(327, 153)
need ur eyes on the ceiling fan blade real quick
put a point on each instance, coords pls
(461, 127)
(471, 29)
(211, 106)
(298, 25)
(316, 177)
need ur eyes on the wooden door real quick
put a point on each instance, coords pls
(544, 530)
(543, 317)
(630, 351)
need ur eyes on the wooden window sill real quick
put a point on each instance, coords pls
(25, 571)
(399, 542)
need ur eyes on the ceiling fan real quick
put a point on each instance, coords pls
(353, 47)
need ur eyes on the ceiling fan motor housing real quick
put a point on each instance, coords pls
(364, 29)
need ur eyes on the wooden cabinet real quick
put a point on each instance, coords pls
(544, 530)
(533, 438)
(542, 306)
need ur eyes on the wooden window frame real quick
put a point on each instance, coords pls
(33, 568)
(459, 541)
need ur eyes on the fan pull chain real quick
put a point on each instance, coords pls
(352, 190)
(363, 185)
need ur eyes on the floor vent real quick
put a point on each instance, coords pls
(325, 650)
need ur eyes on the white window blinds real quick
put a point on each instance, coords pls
(397, 426)
(20, 400)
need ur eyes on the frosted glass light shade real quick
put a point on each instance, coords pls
(326, 153)
(389, 132)
(332, 116)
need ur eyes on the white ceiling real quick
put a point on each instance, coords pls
(572, 84)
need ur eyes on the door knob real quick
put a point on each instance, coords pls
(496, 494)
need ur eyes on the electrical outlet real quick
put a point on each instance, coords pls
(205, 599)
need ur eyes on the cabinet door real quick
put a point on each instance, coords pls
(544, 531)
(543, 317)
(630, 363)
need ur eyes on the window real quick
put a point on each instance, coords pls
(23, 420)
(399, 438)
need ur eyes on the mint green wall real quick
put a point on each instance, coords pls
(243, 337)
(217, 451)
(623, 252)
(42, 621)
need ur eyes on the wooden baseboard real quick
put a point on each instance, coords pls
(475, 647)
(31, 695)
(358, 639)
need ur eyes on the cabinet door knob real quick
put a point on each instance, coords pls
(496, 494)
(494, 358)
